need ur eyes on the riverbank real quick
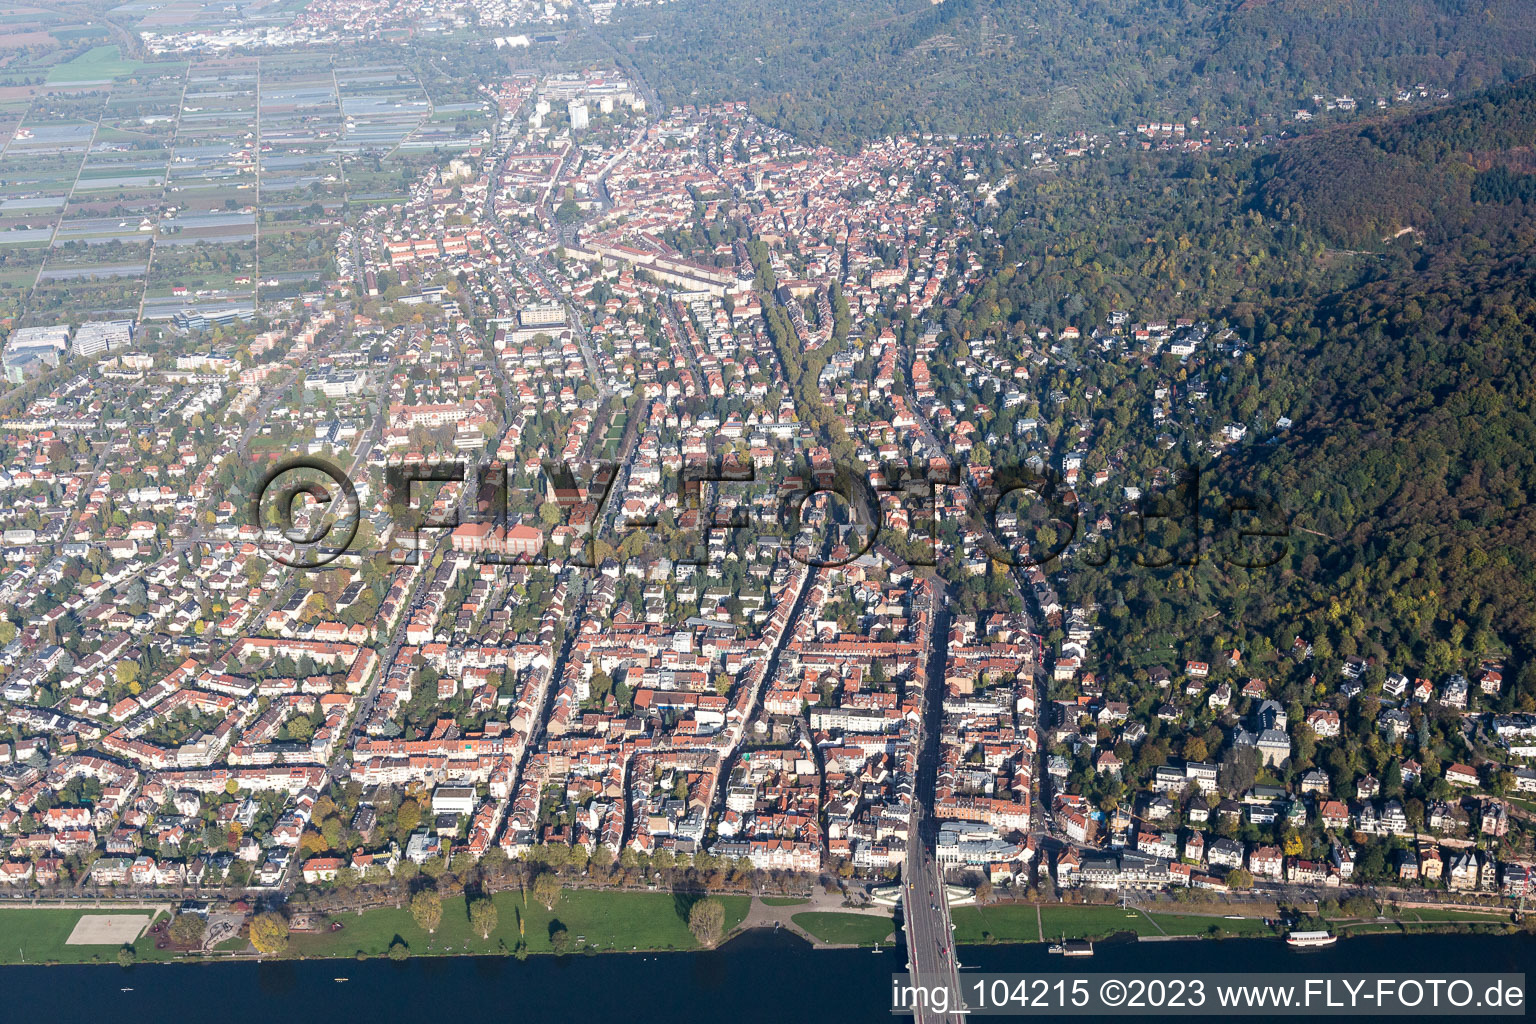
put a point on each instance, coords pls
(41, 935)
(593, 921)
(1162, 921)
(1032, 922)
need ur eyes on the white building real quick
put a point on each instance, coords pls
(98, 336)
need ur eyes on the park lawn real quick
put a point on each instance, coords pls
(1470, 916)
(1009, 922)
(96, 64)
(605, 921)
(784, 901)
(36, 935)
(1084, 922)
(1374, 928)
(1195, 924)
(846, 929)
(1016, 922)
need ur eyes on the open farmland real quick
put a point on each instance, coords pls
(144, 188)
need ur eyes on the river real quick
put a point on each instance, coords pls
(758, 977)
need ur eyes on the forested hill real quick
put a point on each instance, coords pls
(1440, 173)
(1416, 415)
(1411, 469)
(839, 71)
(1415, 454)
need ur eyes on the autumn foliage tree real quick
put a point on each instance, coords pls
(269, 933)
(546, 889)
(482, 917)
(706, 919)
(427, 909)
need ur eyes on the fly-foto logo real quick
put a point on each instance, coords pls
(307, 512)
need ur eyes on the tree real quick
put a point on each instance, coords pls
(983, 891)
(1239, 769)
(482, 917)
(560, 939)
(269, 933)
(427, 909)
(127, 955)
(546, 889)
(1239, 878)
(312, 843)
(408, 816)
(187, 929)
(398, 950)
(706, 919)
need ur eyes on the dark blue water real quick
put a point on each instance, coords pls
(759, 977)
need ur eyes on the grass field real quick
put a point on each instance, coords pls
(847, 929)
(1383, 928)
(783, 901)
(604, 921)
(1454, 916)
(99, 63)
(1011, 922)
(1089, 922)
(1193, 924)
(37, 935)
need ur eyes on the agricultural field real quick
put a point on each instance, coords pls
(98, 64)
(145, 188)
(38, 41)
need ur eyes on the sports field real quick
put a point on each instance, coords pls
(108, 929)
(35, 935)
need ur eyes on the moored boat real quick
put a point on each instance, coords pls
(1308, 940)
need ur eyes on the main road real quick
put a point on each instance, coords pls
(930, 936)
(924, 905)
